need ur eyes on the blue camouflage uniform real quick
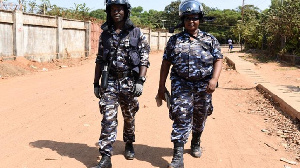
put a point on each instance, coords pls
(192, 68)
(130, 54)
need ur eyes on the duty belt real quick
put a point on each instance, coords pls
(120, 74)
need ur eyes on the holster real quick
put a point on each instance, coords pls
(104, 77)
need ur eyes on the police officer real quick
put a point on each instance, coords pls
(196, 62)
(121, 63)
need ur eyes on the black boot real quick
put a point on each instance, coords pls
(177, 160)
(105, 162)
(129, 151)
(195, 145)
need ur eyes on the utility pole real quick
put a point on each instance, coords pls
(163, 22)
(283, 37)
(240, 40)
(243, 10)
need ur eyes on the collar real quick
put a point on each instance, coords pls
(107, 26)
(187, 35)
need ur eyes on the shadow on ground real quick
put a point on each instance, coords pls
(88, 155)
(293, 88)
(251, 88)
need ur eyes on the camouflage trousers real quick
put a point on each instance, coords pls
(190, 107)
(117, 93)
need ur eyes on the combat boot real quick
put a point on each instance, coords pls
(105, 162)
(195, 145)
(177, 160)
(129, 151)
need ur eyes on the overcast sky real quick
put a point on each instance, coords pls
(159, 5)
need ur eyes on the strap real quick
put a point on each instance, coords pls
(201, 42)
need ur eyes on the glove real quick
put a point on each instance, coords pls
(97, 90)
(138, 89)
(168, 97)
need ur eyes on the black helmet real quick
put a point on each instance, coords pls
(118, 2)
(188, 7)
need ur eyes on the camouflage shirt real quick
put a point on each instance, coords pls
(192, 60)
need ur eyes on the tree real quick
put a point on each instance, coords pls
(171, 13)
(32, 6)
(283, 26)
(81, 11)
(99, 14)
(44, 6)
(137, 11)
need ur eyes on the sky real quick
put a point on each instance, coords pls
(159, 5)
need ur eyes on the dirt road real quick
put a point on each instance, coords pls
(51, 120)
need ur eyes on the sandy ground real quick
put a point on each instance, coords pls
(50, 119)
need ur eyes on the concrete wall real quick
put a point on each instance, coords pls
(39, 43)
(39, 37)
(157, 40)
(6, 34)
(42, 38)
(74, 38)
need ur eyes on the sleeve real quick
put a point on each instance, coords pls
(216, 49)
(144, 50)
(99, 57)
(169, 49)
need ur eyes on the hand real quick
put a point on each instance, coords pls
(97, 91)
(138, 89)
(211, 87)
(161, 93)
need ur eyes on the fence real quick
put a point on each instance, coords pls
(44, 38)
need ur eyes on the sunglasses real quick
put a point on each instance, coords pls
(191, 18)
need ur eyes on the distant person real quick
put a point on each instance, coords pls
(230, 46)
(196, 61)
(121, 63)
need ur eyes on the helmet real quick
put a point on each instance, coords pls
(118, 2)
(126, 5)
(188, 7)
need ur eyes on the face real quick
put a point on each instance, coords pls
(117, 13)
(191, 22)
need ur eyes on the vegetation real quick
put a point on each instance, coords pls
(276, 30)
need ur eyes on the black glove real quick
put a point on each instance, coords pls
(97, 90)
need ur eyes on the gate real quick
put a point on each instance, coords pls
(95, 34)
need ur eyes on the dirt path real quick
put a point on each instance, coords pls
(51, 120)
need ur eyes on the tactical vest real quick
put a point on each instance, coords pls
(130, 39)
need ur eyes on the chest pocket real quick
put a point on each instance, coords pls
(106, 48)
(207, 59)
(202, 54)
(133, 51)
(181, 53)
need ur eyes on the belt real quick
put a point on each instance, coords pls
(120, 74)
